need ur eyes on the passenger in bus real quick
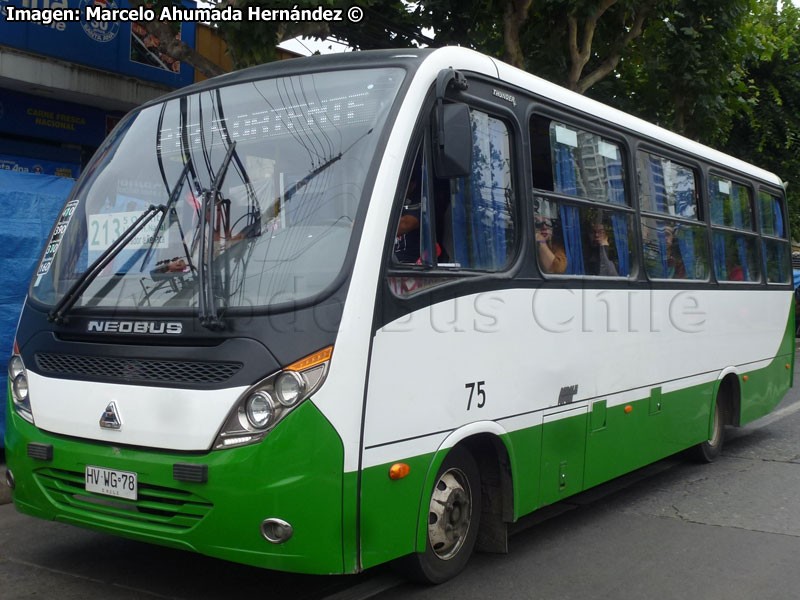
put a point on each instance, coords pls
(552, 256)
(675, 267)
(596, 257)
(736, 273)
(407, 238)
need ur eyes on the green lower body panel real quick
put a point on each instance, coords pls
(390, 509)
(300, 483)
(765, 388)
(628, 436)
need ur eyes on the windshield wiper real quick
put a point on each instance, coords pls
(75, 291)
(169, 207)
(208, 307)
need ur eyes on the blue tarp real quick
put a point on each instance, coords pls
(29, 205)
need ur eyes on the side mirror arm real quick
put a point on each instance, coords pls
(445, 79)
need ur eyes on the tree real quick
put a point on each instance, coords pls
(575, 44)
(725, 73)
(686, 72)
(769, 134)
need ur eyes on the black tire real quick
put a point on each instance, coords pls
(454, 511)
(709, 450)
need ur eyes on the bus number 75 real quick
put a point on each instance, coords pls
(473, 386)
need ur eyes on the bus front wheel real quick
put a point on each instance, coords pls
(452, 521)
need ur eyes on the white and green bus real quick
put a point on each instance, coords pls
(327, 313)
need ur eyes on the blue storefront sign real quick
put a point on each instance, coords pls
(23, 164)
(115, 46)
(46, 118)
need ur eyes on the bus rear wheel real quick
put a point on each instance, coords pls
(452, 521)
(709, 450)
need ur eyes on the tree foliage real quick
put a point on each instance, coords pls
(725, 73)
(768, 133)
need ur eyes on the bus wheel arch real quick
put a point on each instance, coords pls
(725, 411)
(497, 491)
(729, 394)
(492, 488)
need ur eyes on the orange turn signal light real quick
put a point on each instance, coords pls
(788, 366)
(745, 377)
(399, 470)
(628, 409)
(312, 360)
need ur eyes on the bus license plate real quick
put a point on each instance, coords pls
(121, 484)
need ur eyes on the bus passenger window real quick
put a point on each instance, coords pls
(735, 257)
(549, 241)
(581, 240)
(407, 236)
(673, 247)
(731, 204)
(597, 251)
(592, 235)
(674, 250)
(477, 213)
(777, 253)
(734, 252)
(464, 223)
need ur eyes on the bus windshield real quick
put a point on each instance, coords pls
(279, 165)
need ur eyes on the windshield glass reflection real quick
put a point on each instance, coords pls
(278, 221)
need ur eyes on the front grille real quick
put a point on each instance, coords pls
(165, 508)
(137, 369)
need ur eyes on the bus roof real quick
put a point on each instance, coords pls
(414, 58)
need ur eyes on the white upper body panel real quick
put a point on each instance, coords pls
(152, 417)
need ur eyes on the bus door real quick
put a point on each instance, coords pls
(563, 451)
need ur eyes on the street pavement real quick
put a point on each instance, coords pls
(5, 492)
(675, 529)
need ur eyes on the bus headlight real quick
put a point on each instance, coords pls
(289, 388)
(260, 410)
(18, 379)
(20, 386)
(15, 367)
(266, 403)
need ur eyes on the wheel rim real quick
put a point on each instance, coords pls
(450, 513)
(716, 434)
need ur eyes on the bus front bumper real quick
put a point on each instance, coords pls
(294, 474)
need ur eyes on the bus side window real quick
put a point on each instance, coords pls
(735, 253)
(593, 235)
(776, 251)
(673, 247)
(475, 219)
(407, 235)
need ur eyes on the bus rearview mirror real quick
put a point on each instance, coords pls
(453, 155)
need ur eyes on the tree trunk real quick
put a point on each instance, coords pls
(580, 53)
(514, 17)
